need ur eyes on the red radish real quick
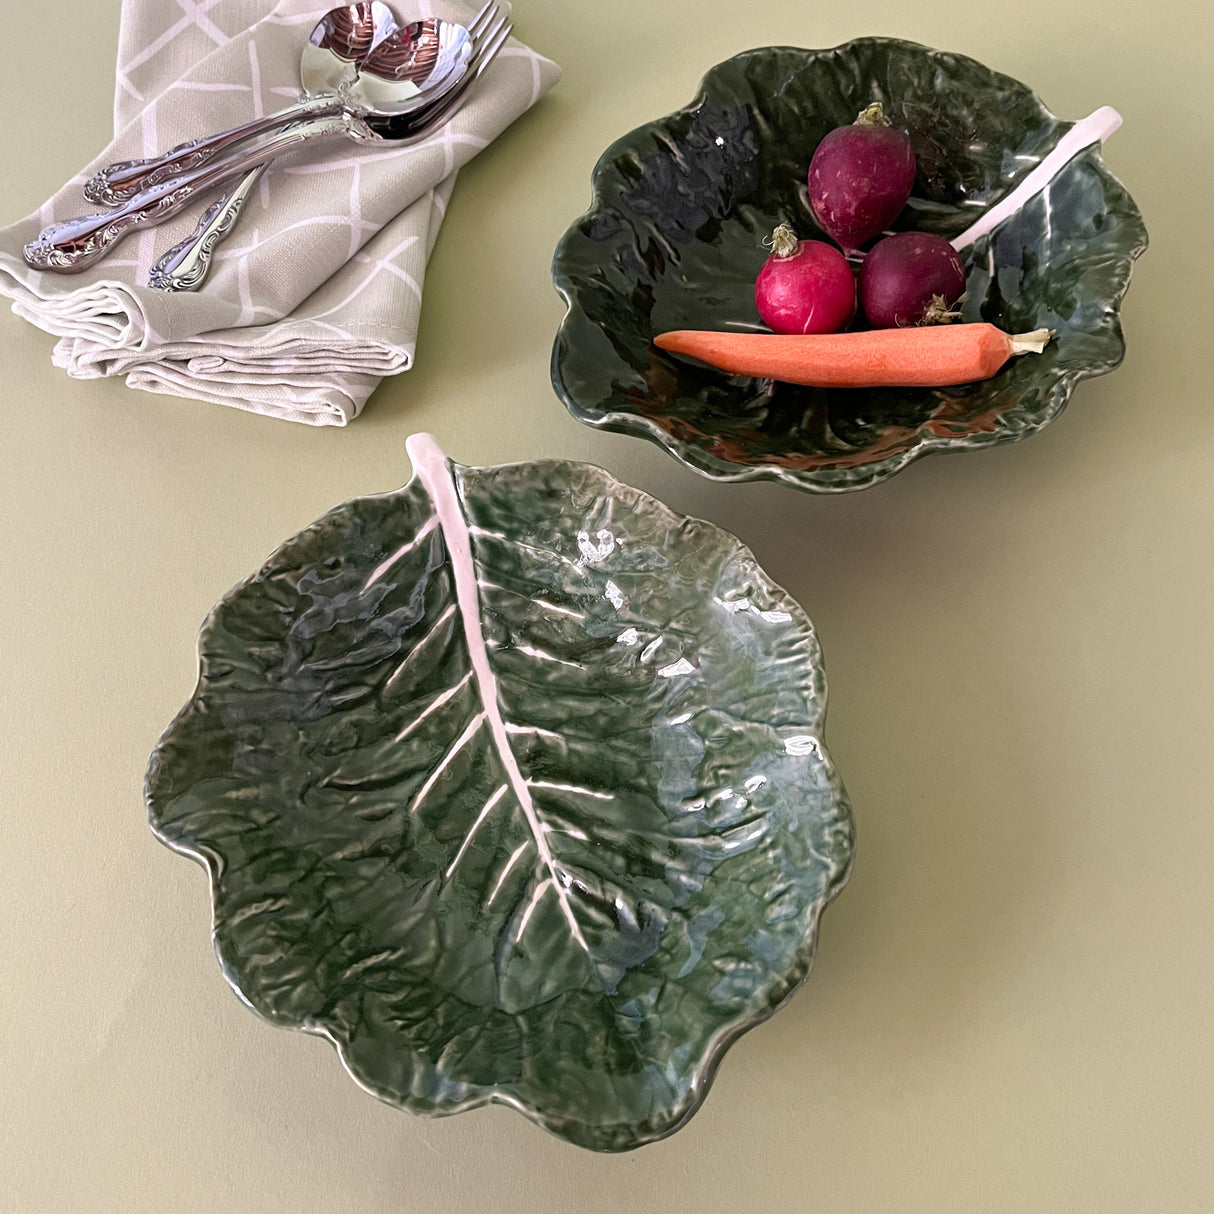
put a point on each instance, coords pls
(805, 286)
(860, 178)
(911, 278)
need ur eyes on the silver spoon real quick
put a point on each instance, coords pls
(75, 244)
(357, 58)
(185, 266)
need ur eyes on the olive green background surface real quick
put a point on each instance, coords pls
(1010, 1006)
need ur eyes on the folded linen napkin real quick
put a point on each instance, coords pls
(316, 295)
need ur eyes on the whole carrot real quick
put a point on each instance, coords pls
(932, 356)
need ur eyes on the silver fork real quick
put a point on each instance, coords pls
(185, 266)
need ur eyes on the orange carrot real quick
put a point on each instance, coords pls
(931, 356)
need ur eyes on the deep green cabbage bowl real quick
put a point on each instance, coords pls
(512, 785)
(673, 240)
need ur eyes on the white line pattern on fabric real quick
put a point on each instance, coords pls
(200, 86)
(197, 14)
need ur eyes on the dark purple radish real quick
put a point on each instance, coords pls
(911, 278)
(805, 286)
(860, 178)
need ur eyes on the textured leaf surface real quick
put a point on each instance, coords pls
(673, 240)
(567, 885)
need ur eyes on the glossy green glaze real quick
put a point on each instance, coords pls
(577, 923)
(674, 238)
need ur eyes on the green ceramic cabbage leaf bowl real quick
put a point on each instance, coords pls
(674, 237)
(511, 784)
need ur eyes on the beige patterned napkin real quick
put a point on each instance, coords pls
(316, 296)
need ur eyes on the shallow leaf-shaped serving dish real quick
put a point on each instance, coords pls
(673, 240)
(511, 783)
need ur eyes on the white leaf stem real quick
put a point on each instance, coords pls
(1095, 128)
(432, 470)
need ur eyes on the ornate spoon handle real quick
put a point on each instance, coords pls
(187, 263)
(75, 244)
(120, 182)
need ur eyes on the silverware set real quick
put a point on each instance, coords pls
(364, 78)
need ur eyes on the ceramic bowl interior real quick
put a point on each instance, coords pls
(512, 785)
(674, 237)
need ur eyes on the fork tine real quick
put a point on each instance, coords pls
(486, 14)
(481, 27)
(494, 43)
(427, 119)
(452, 101)
(487, 44)
(485, 49)
(486, 31)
